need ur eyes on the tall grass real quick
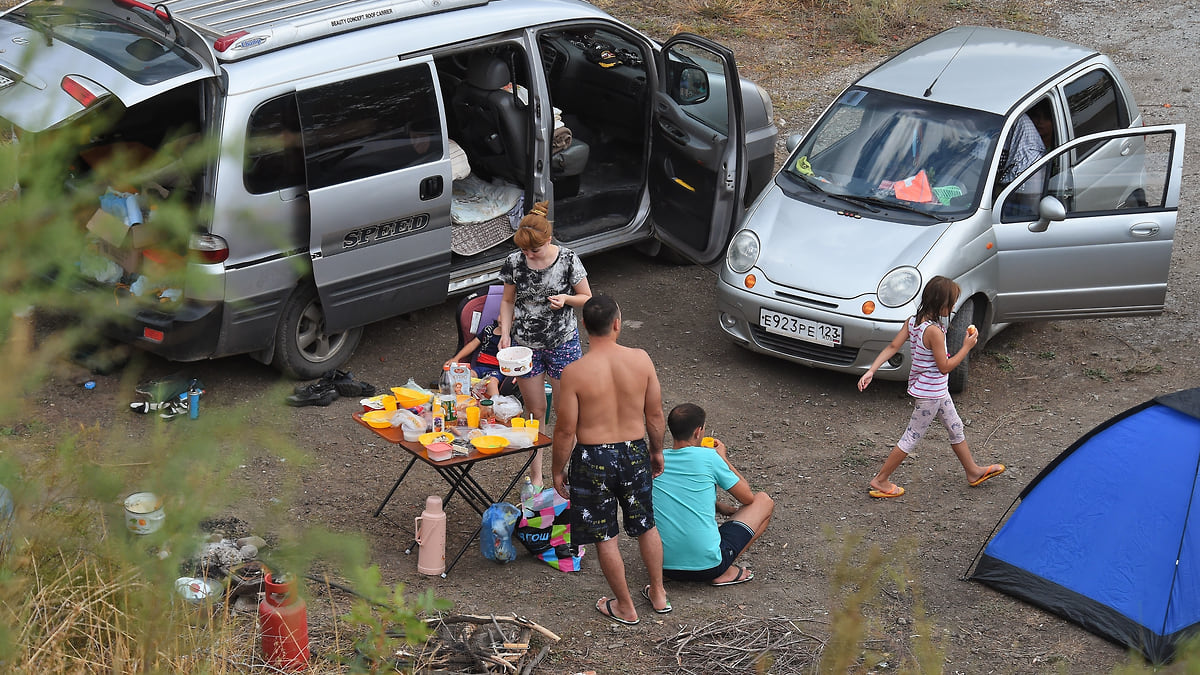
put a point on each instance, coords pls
(78, 592)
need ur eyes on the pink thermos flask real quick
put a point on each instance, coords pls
(431, 536)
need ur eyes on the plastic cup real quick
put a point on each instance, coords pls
(708, 442)
(518, 422)
(389, 402)
(473, 416)
(532, 428)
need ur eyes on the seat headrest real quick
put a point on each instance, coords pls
(487, 72)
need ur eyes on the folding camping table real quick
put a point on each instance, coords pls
(456, 471)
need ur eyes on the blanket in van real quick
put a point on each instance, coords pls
(483, 214)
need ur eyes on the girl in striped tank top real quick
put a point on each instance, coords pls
(928, 380)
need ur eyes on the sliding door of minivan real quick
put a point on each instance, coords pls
(378, 177)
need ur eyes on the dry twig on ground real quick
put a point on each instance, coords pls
(776, 644)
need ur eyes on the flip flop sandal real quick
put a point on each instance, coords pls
(646, 595)
(613, 617)
(742, 577)
(989, 474)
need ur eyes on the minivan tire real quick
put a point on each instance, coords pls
(964, 317)
(303, 349)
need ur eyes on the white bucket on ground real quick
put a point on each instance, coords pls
(143, 512)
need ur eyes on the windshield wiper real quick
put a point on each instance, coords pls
(896, 206)
(867, 204)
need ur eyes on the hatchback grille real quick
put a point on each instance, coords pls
(835, 356)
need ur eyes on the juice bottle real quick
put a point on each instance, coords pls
(439, 416)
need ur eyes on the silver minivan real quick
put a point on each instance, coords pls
(916, 170)
(375, 153)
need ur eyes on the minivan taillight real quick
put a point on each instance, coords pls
(208, 248)
(83, 90)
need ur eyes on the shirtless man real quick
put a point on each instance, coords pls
(606, 403)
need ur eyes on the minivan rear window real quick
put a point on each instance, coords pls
(141, 56)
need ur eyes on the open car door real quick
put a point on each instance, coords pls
(697, 165)
(1080, 252)
(379, 191)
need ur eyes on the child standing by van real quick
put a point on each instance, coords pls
(487, 366)
(928, 383)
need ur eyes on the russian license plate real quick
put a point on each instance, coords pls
(801, 329)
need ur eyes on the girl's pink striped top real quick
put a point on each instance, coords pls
(924, 378)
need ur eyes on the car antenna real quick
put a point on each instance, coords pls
(929, 90)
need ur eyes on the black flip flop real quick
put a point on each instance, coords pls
(646, 595)
(742, 577)
(609, 614)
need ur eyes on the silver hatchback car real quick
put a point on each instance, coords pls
(1015, 164)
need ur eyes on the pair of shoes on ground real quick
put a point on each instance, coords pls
(326, 390)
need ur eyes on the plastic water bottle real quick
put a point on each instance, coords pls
(448, 399)
(528, 491)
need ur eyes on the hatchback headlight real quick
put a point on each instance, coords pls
(899, 286)
(743, 252)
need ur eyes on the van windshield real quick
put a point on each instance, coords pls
(893, 150)
(141, 56)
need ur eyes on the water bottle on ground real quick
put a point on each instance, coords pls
(528, 490)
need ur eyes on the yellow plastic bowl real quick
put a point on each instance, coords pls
(485, 443)
(435, 437)
(380, 419)
(408, 398)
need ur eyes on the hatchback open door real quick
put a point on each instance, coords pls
(1083, 253)
(697, 165)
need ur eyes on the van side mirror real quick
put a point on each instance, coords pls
(1049, 209)
(688, 83)
(793, 141)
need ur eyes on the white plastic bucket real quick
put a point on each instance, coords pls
(515, 360)
(143, 512)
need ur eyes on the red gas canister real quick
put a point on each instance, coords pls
(283, 624)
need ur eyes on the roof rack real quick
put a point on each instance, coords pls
(242, 28)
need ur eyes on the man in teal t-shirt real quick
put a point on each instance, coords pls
(695, 548)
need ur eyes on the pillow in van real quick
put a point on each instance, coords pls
(460, 168)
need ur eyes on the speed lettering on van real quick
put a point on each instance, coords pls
(372, 234)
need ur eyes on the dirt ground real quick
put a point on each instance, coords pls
(805, 436)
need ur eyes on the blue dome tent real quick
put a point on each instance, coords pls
(1108, 534)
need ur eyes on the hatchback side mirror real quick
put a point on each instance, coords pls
(1049, 209)
(689, 83)
(793, 141)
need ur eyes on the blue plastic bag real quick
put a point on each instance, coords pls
(495, 540)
